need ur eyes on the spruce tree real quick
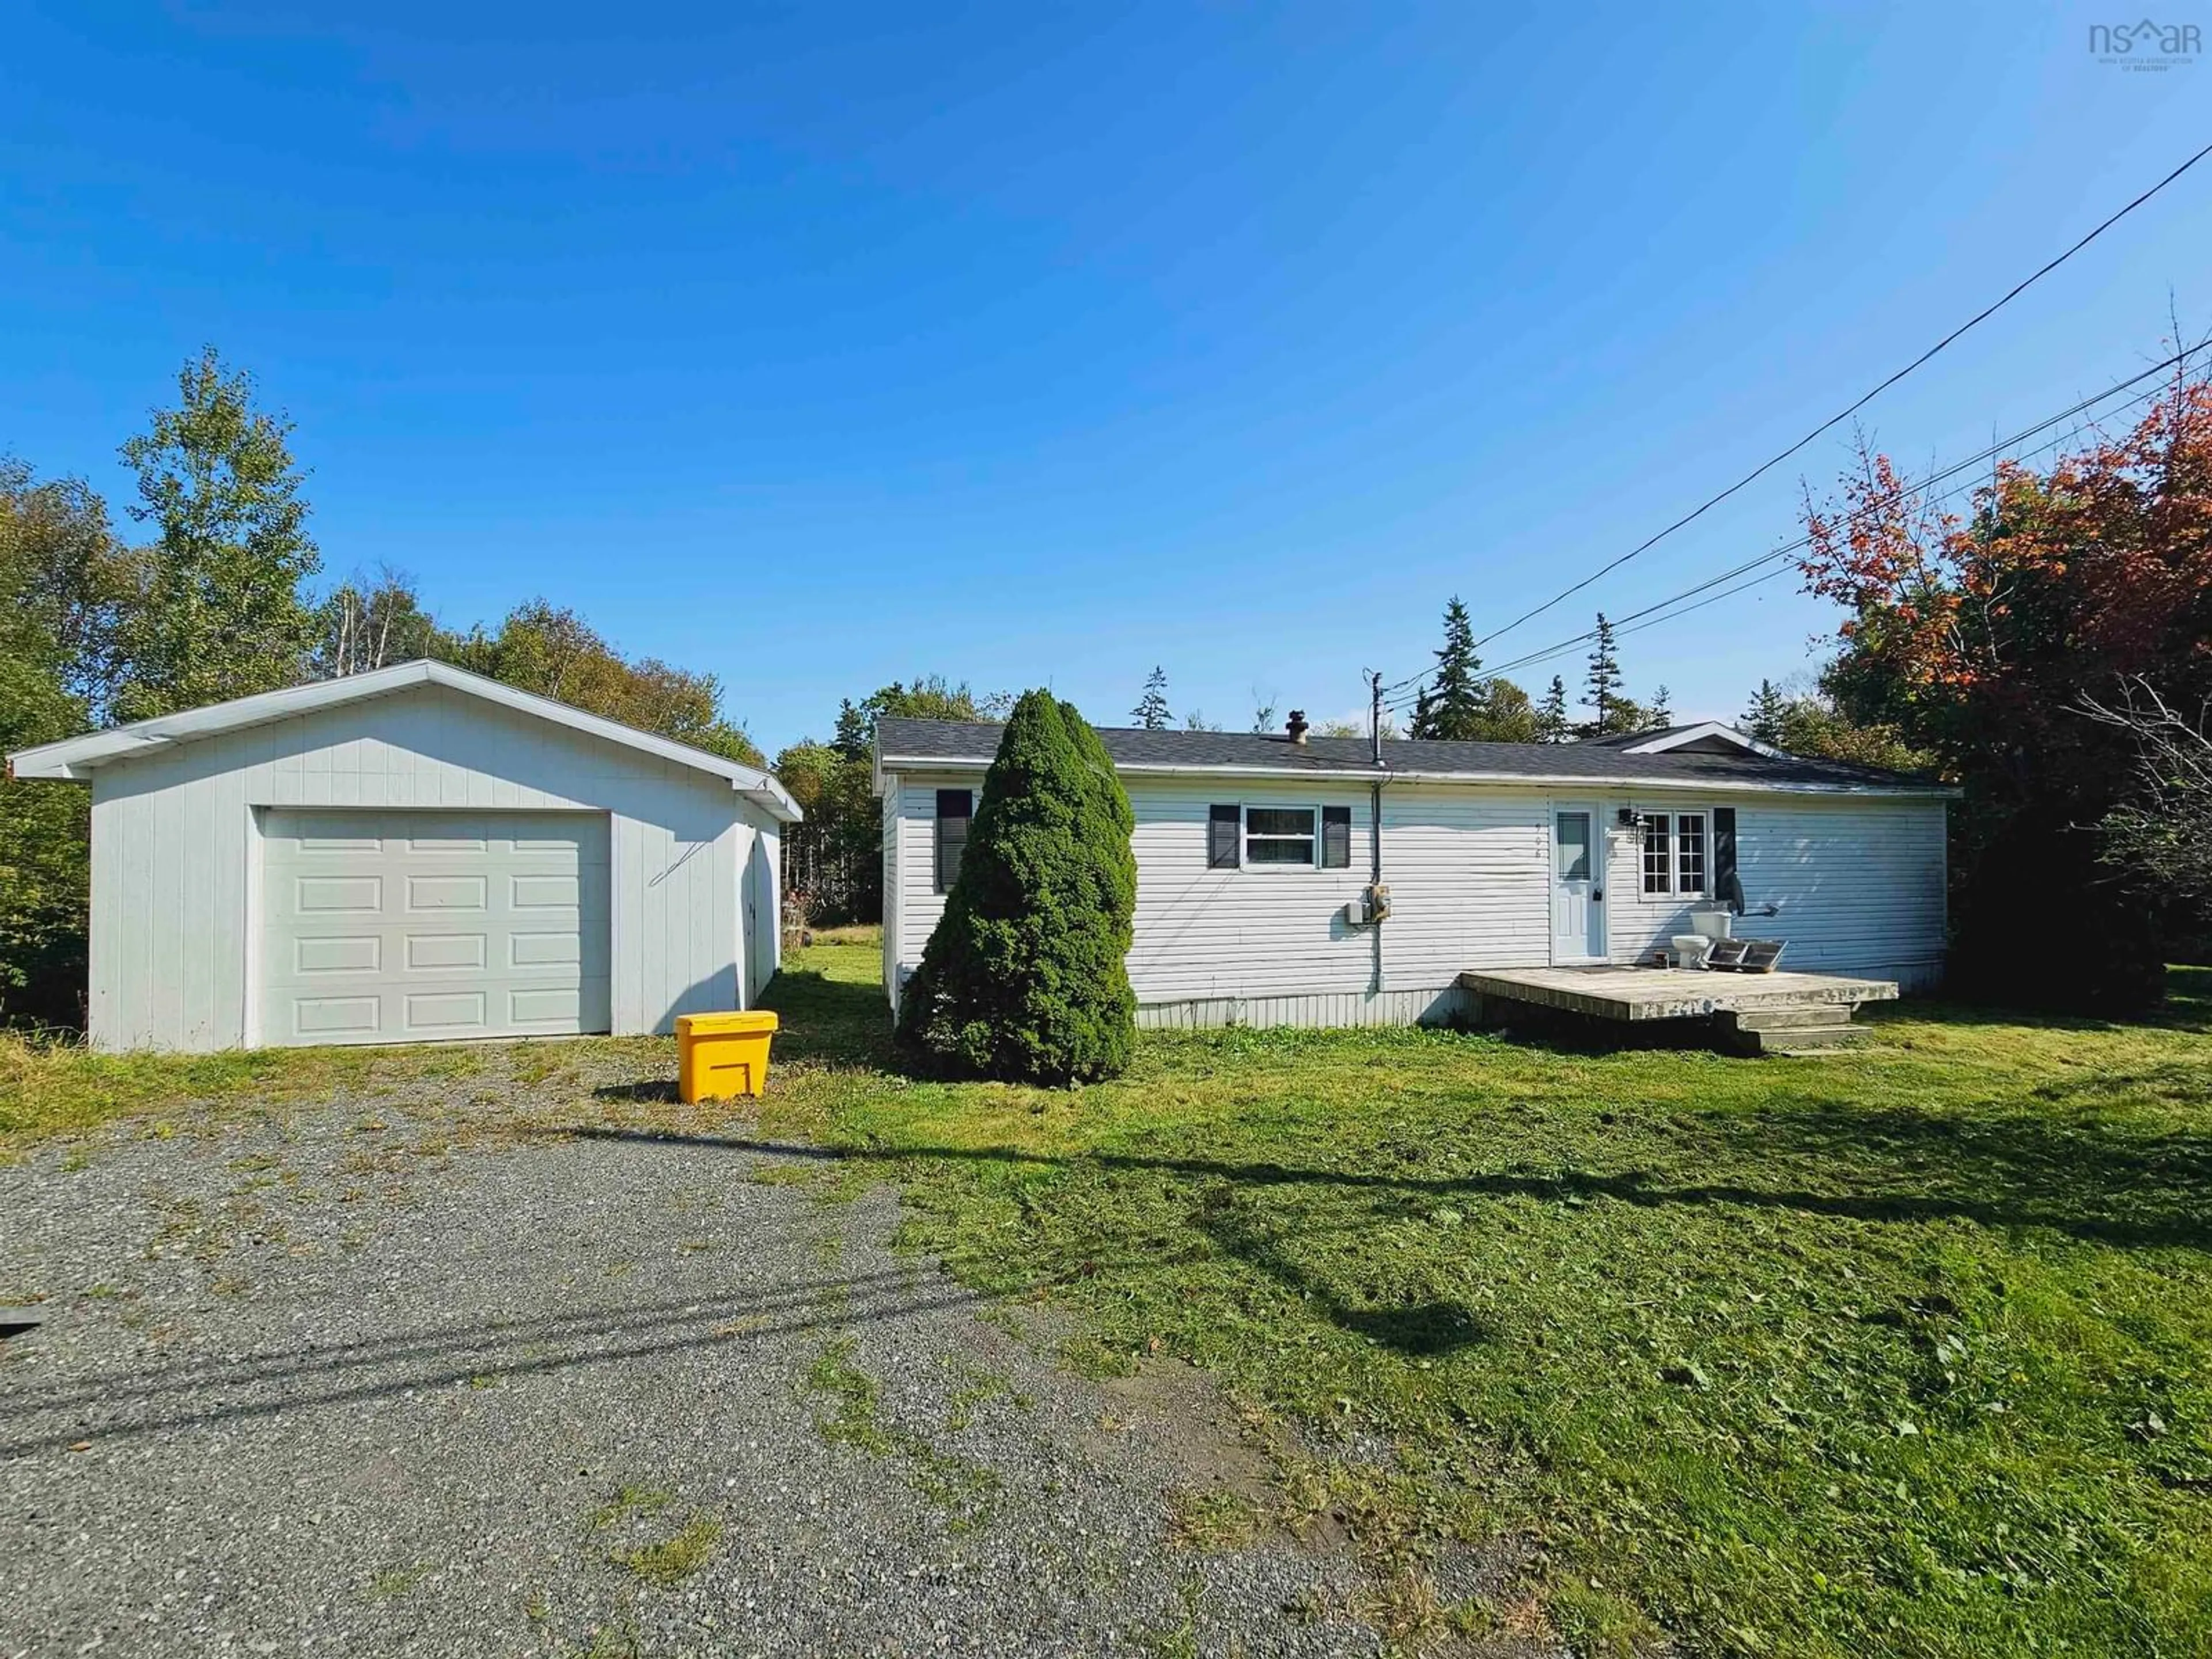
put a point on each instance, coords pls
(1151, 709)
(1451, 707)
(1762, 717)
(1552, 723)
(1601, 693)
(1663, 707)
(1025, 978)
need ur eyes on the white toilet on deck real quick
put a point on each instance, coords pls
(1707, 923)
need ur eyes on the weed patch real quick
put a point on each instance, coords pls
(630, 1500)
(1215, 1519)
(394, 1582)
(669, 1561)
(850, 1417)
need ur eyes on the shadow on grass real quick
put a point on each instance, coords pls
(2187, 1007)
(2052, 1166)
(2155, 1191)
(661, 1091)
(830, 1022)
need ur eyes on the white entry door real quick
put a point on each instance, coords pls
(1577, 885)
(391, 925)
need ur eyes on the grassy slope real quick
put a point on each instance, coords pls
(1905, 1351)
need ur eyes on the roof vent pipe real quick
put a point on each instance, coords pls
(1296, 725)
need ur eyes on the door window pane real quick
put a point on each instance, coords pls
(1573, 837)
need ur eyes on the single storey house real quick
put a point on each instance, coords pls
(416, 853)
(1255, 853)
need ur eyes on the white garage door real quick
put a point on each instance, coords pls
(395, 926)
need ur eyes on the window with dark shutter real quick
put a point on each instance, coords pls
(955, 807)
(1690, 854)
(1724, 881)
(1336, 837)
(1224, 825)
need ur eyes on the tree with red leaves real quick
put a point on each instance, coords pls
(1982, 640)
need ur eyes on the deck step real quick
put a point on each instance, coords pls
(1789, 1017)
(1800, 1039)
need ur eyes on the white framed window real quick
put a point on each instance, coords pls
(1690, 844)
(1676, 856)
(1282, 837)
(1273, 837)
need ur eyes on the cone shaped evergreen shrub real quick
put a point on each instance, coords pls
(1026, 978)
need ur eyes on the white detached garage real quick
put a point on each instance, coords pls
(414, 853)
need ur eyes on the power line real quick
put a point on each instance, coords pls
(1780, 456)
(2003, 448)
(1636, 622)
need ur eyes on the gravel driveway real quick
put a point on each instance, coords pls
(381, 1377)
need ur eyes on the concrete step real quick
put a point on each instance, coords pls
(1791, 1016)
(1802, 1039)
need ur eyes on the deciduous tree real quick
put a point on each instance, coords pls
(61, 574)
(835, 858)
(553, 652)
(1976, 637)
(220, 614)
(372, 621)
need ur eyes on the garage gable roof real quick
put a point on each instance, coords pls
(78, 757)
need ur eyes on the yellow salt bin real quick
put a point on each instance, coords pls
(721, 1055)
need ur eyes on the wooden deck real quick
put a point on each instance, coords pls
(1645, 993)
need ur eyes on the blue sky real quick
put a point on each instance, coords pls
(821, 346)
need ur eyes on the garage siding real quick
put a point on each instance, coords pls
(177, 866)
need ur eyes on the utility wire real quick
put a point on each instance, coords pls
(1996, 450)
(1780, 456)
(1636, 622)
(1622, 624)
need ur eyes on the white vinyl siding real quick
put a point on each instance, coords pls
(1857, 886)
(1468, 871)
(178, 859)
(891, 946)
(1469, 868)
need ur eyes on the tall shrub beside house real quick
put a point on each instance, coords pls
(1025, 979)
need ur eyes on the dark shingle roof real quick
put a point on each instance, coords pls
(1650, 734)
(911, 741)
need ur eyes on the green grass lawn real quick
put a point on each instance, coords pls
(1907, 1350)
(1901, 1352)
